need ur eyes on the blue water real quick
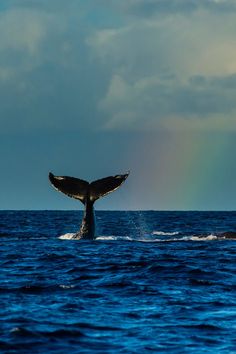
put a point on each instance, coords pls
(149, 284)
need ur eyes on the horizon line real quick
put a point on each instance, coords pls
(130, 210)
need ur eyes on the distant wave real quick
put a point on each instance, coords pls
(69, 236)
(178, 239)
(201, 238)
(162, 233)
(156, 236)
(115, 238)
(150, 239)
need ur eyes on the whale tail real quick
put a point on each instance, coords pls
(83, 190)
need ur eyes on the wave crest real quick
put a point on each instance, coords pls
(155, 236)
(162, 233)
(115, 238)
(201, 238)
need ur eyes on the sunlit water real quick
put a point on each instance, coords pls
(151, 282)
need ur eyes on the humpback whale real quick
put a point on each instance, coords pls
(87, 193)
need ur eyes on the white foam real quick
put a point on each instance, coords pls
(185, 238)
(114, 238)
(68, 236)
(206, 238)
(150, 239)
(66, 286)
(162, 233)
(128, 238)
(198, 238)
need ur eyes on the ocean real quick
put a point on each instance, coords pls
(152, 282)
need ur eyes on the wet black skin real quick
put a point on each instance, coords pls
(87, 229)
(87, 193)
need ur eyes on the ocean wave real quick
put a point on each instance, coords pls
(185, 238)
(69, 236)
(115, 238)
(162, 233)
(62, 286)
(210, 237)
(150, 238)
(58, 333)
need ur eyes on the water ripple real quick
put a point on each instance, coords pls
(146, 285)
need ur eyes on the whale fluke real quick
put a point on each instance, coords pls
(72, 187)
(87, 193)
(83, 190)
(104, 186)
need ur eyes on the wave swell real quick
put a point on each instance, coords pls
(156, 236)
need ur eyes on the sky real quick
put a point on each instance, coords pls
(101, 87)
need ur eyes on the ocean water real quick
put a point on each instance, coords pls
(152, 282)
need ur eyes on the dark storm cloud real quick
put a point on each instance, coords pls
(85, 83)
(48, 79)
(198, 98)
(51, 99)
(59, 74)
(203, 96)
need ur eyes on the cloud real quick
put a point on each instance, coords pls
(169, 73)
(149, 8)
(63, 68)
(200, 103)
(48, 80)
(187, 46)
(117, 83)
(54, 6)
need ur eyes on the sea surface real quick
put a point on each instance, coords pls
(152, 282)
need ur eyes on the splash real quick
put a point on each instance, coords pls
(201, 238)
(68, 236)
(150, 238)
